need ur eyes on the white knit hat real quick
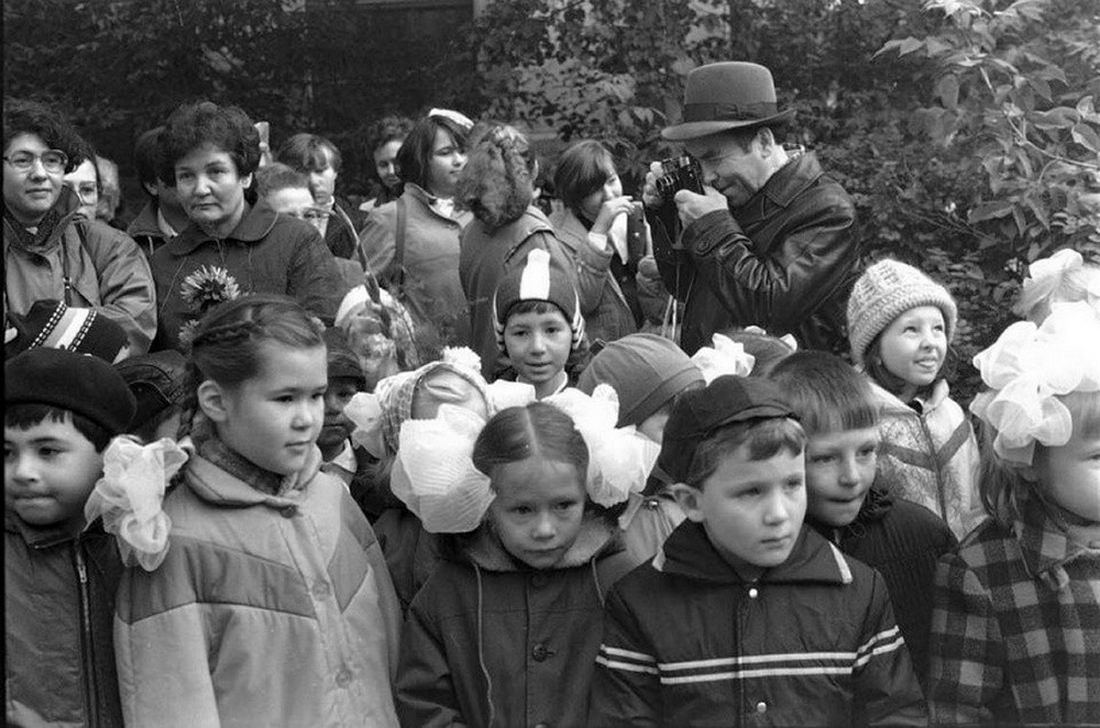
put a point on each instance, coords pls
(886, 290)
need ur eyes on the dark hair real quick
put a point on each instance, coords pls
(892, 383)
(582, 169)
(386, 130)
(826, 393)
(767, 350)
(31, 117)
(147, 156)
(497, 184)
(539, 429)
(278, 176)
(228, 128)
(309, 153)
(744, 138)
(226, 345)
(26, 416)
(534, 306)
(415, 156)
(763, 438)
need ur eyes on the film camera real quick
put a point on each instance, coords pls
(679, 173)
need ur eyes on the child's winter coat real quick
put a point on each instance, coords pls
(490, 641)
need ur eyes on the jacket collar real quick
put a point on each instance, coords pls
(789, 181)
(483, 548)
(1045, 547)
(257, 222)
(416, 192)
(146, 222)
(570, 229)
(66, 206)
(891, 403)
(41, 537)
(688, 552)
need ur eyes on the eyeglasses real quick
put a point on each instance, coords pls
(53, 160)
(86, 191)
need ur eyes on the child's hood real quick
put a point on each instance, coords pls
(891, 404)
(598, 537)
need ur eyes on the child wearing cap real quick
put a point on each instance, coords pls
(60, 573)
(538, 322)
(900, 326)
(157, 382)
(648, 373)
(744, 615)
(845, 502)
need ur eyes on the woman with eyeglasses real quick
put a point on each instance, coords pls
(411, 244)
(49, 251)
(231, 246)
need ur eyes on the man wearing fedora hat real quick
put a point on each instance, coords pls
(769, 242)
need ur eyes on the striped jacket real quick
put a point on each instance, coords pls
(1016, 627)
(812, 642)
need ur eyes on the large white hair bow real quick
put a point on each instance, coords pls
(725, 357)
(1027, 369)
(129, 496)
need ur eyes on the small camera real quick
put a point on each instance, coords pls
(679, 173)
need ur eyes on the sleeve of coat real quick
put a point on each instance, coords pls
(886, 689)
(626, 688)
(777, 294)
(126, 291)
(314, 278)
(377, 241)
(966, 650)
(591, 269)
(425, 689)
(163, 654)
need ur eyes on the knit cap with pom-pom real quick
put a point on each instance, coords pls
(886, 290)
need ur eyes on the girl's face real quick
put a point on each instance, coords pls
(1071, 474)
(273, 419)
(913, 347)
(538, 509)
(612, 189)
(385, 163)
(446, 163)
(210, 189)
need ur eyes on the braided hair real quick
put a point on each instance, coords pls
(498, 182)
(226, 346)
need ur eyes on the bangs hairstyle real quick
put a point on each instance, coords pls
(498, 182)
(309, 153)
(582, 170)
(49, 125)
(826, 393)
(27, 415)
(760, 438)
(537, 430)
(534, 306)
(1002, 484)
(415, 155)
(227, 343)
(226, 128)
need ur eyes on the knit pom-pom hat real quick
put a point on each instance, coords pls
(541, 278)
(886, 290)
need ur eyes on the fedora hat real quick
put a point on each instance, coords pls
(723, 96)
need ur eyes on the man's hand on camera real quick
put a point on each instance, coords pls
(650, 196)
(692, 206)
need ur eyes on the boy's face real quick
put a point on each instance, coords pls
(337, 427)
(752, 510)
(49, 470)
(538, 345)
(840, 468)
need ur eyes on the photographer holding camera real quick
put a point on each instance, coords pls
(766, 237)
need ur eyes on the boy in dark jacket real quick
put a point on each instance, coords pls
(744, 617)
(60, 574)
(851, 505)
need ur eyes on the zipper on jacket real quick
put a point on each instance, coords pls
(939, 470)
(86, 641)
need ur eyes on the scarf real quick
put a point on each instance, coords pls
(27, 239)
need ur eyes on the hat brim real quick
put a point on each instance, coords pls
(697, 129)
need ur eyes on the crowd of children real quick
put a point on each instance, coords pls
(288, 524)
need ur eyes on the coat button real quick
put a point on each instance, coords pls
(761, 707)
(288, 511)
(321, 589)
(343, 677)
(539, 652)
(753, 594)
(539, 580)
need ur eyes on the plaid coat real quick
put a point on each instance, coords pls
(1016, 627)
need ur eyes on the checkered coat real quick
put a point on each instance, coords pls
(1016, 627)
